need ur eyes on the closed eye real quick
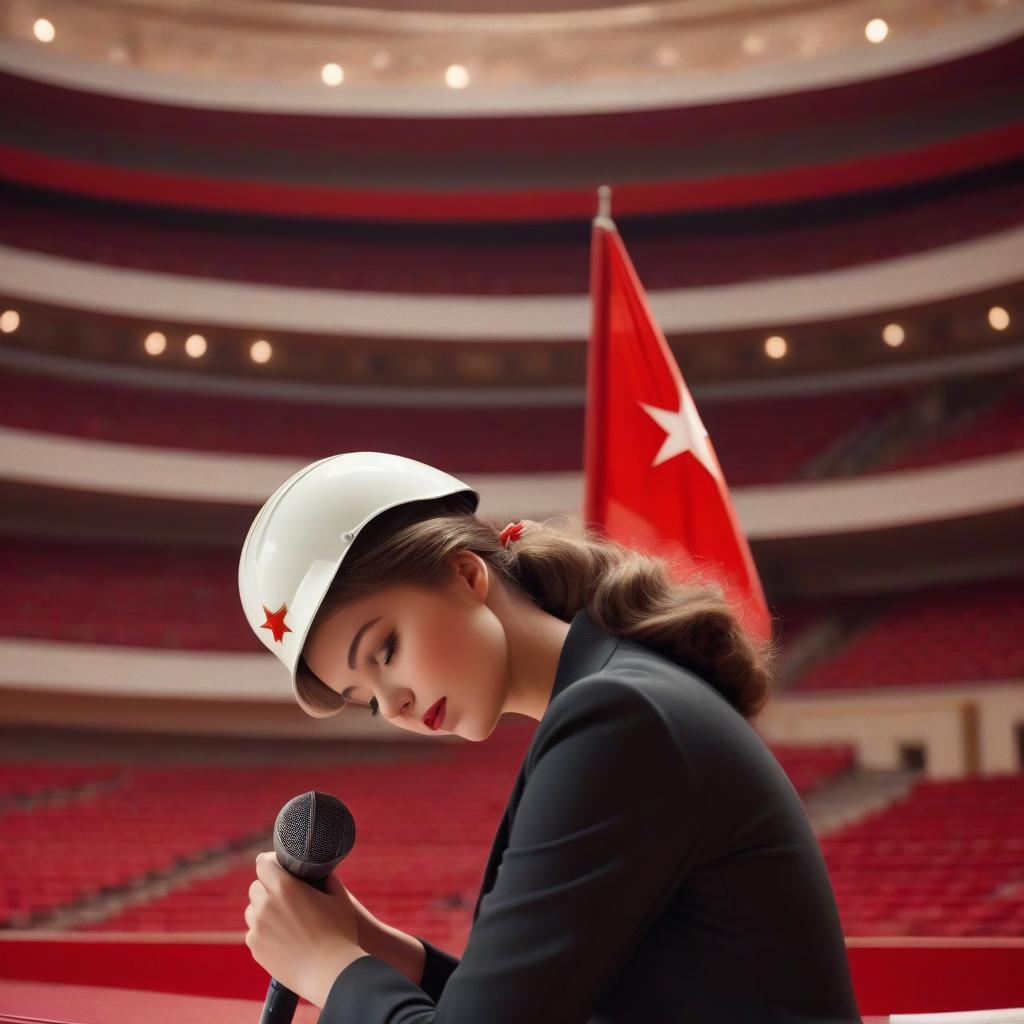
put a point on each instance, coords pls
(391, 646)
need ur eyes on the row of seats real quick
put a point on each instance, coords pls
(164, 818)
(757, 440)
(998, 428)
(945, 861)
(955, 633)
(410, 858)
(682, 252)
(19, 781)
(133, 594)
(187, 598)
(948, 859)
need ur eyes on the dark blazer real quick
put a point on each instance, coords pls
(654, 865)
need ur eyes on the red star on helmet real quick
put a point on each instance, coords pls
(275, 622)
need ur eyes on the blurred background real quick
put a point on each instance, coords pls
(238, 238)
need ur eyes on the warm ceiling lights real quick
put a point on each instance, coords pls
(195, 345)
(876, 30)
(998, 318)
(753, 44)
(332, 74)
(456, 76)
(9, 320)
(43, 30)
(260, 350)
(775, 346)
(155, 343)
(893, 335)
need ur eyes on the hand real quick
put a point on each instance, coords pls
(299, 935)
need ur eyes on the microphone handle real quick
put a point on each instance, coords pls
(279, 1006)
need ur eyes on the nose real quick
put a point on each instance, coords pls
(393, 705)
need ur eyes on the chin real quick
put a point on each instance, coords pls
(478, 735)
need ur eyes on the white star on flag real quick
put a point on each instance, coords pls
(684, 432)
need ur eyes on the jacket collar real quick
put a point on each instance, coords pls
(586, 649)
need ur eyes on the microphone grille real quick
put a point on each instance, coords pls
(316, 828)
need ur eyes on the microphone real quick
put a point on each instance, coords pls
(313, 832)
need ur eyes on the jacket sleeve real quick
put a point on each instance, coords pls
(606, 828)
(437, 967)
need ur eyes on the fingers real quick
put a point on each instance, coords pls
(268, 870)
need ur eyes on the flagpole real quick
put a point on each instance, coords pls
(594, 432)
(604, 208)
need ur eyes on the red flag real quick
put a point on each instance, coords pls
(652, 478)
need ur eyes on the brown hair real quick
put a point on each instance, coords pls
(561, 566)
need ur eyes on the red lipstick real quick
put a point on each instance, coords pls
(435, 714)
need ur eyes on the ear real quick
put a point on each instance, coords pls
(472, 573)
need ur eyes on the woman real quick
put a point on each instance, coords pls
(654, 862)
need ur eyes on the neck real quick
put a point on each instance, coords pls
(535, 640)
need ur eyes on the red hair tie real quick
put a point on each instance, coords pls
(511, 532)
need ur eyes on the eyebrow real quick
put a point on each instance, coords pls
(354, 649)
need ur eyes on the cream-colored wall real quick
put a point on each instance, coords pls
(1000, 715)
(940, 719)
(804, 508)
(937, 718)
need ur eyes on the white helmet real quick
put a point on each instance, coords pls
(301, 534)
